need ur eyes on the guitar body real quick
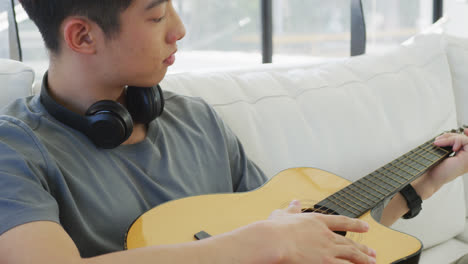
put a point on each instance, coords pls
(179, 220)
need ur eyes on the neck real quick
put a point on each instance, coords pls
(77, 88)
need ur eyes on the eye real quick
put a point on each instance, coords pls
(157, 20)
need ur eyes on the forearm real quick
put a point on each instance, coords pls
(235, 247)
(397, 207)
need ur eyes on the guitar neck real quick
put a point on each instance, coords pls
(366, 193)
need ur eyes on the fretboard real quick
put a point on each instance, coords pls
(366, 193)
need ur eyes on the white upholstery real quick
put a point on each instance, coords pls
(444, 253)
(348, 117)
(16, 81)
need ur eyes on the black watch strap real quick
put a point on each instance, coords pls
(413, 200)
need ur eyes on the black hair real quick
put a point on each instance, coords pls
(48, 15)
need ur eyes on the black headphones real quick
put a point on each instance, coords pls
(107, 123)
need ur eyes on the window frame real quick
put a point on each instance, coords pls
(358, 28)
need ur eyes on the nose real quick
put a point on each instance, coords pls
(177, 29)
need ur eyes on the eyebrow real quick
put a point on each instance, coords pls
(154, 3)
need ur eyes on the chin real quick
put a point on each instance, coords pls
(149, 81)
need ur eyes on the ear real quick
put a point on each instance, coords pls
(80, 35)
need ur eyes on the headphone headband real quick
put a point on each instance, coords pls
(107, 123)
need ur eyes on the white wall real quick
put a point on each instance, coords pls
(457, 12)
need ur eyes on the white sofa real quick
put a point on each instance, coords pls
(348, 117)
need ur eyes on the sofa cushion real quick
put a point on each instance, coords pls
(457, 54)
(349, 117)
(444, 253)
(16, 81)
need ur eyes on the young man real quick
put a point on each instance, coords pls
(68, 191)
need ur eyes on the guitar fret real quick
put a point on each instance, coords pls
(357, 185)
(385, 177)
(432, 156)
(427, 162)
(424, 157)
(339, 205)
(373, 188)
(410, 165)
(349, 201)
(357, 197)
(393, 175)
(371, 191)
(357, 194)
(394, 170)
(381, 180)
(415, 160)
(405, 171)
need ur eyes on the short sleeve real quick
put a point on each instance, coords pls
(24, 193)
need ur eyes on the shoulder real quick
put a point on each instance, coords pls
(188, 107)
(23, 113)
(18, 122)
(178, 100)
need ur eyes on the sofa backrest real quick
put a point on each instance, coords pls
(16, 80)
(349, 118)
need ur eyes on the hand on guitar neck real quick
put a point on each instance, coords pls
(430, 182)
(447, 170)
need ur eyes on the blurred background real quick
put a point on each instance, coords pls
(224, 34)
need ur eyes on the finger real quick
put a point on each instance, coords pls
(458, 144)
(343, 223)
(456, 141)
(337, 261)
(294, 207)
(355, 255)
(446, 135)
(341, 240)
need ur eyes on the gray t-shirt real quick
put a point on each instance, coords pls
(51, 172)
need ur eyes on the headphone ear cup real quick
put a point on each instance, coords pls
(145, 104)
(110, 124)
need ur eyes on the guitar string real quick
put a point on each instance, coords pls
(424, 149)
(420, 151)
(369, 186)
(330, 211)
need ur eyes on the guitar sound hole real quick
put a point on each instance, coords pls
(323, 210)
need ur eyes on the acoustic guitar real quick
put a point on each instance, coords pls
(198, 217)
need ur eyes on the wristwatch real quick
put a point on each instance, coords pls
(413, 200)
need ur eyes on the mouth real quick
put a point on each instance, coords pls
(171, 59)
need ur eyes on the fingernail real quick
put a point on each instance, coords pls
(372, 260)
(372, 252)
(366, 225)
(294, 203)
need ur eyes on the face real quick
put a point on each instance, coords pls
(145, 47)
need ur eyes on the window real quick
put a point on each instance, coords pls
(4, 38)
(219, 34)
(322, 28)
(228, 33)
